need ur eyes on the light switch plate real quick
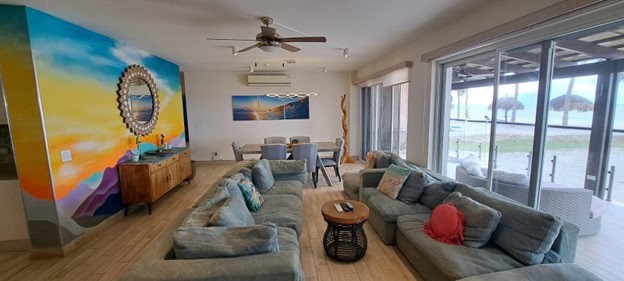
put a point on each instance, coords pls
(66, 155)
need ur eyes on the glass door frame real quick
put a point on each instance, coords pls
(602, 123)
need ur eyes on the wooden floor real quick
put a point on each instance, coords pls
(110, 252)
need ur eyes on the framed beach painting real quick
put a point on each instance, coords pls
(245, 108)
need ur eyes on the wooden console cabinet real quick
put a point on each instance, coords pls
(148, 179)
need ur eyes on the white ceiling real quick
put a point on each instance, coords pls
(177, 30)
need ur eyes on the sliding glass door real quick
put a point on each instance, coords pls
(553, 106)
(384, 118)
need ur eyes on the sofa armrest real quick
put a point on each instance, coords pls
(155, 263)
(289, 170)
(565, 243)
(371, 177)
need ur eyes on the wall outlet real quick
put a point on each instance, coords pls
(66, 155)
(216, 156)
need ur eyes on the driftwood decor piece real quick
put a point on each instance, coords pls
(346, 156)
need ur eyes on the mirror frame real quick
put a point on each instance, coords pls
(130, 73)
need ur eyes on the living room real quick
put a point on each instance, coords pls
(208, 86)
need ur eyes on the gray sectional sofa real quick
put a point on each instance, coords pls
(281, 212)
(525, 243)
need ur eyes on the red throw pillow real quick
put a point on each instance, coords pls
(446, 224)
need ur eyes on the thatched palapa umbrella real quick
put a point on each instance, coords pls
(574, 103)
(507, 103)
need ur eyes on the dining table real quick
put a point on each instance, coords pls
(254, 148)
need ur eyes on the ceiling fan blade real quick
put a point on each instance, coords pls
(268, 32)
(248, 48)
(302, 39)
(229, 39)
(289, 47)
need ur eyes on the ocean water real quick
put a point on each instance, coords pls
(577, 119)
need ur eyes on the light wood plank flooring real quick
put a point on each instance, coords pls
(108, 254)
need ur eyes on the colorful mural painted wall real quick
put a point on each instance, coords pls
(63, 97)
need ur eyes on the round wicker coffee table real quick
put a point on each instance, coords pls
(344, 239)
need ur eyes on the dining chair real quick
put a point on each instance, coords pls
(273, 151)
(334, 161)
(309, 152)
(236, 147)
(301, 139)
(269, 140)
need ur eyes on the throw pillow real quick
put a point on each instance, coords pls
(446, 224)
(219, 242)
(472, 165)
(392, 180)
(253, 198)
(370, 160)
(481, 220)
(509, 177)
(234, 212)
(414, 186)
(262, 176)
(382, 160)
(435, 193)
(247, 173)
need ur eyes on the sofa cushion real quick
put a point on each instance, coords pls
(508, 177)
(281, 209)
(392, 180)
(234, 212)
(480, 220)
(525, 233)
(378, 159)
(217, 242)
(247, 172)
(351, 185)
(292, 187)
(262, 176)
(390, 209)
(472, 165)
(215, 196)
(414, 186)
(453, 261)
(435, 193)
(253, 198)
(446, 224)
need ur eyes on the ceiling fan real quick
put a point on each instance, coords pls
(269, 41)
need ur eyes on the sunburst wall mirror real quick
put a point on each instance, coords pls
(138, 100)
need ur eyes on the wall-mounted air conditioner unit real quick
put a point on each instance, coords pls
(268, 80)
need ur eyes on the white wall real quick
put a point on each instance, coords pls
(209, 107)
(420, 113)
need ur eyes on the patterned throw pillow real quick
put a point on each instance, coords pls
(392, 180)
(253, 198)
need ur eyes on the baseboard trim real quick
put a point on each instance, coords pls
(14, 245)
(41, 253)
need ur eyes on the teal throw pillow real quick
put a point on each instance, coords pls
(480, 220)
(232, 213)
(414, 186)
(253, 198)
(262, 176)
(392, 180)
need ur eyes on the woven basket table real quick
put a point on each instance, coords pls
(344, 239)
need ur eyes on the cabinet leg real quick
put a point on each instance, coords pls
(149, 208)
(189, 181)
(126, 211)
